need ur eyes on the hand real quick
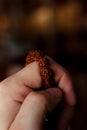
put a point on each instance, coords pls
(21, 108)
(67, 106)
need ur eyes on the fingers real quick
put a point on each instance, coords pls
(14, 90)
(66, 85)
(64, 82)
(30, 75)
(19, 84)
(33, 111)
(8, 110)
(9, 106)
(53, 97)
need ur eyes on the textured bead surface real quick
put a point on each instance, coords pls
(45, 71)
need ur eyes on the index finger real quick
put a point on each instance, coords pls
(64, 82)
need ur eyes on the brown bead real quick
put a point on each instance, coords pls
(45, 71)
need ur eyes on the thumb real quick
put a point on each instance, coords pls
(22, 82)
(34, 109)
(30, 76)
(13, 91)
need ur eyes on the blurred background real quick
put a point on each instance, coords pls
(59, 28)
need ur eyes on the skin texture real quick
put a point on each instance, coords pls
(24, 108)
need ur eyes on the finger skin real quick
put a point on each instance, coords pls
(8, 109)
(18, 86)
(65, 84)
(30, 76)
(14, 90)
(36, 105)
(64, 81)
(9, 106)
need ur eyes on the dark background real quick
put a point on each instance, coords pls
(59, 28)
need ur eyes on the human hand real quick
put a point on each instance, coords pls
(67, 106)
(16, 95)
